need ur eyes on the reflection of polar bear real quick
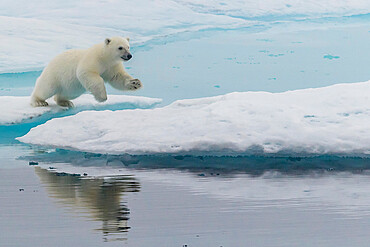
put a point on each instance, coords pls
(73, 72)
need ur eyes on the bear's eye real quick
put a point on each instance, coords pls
(120, 48)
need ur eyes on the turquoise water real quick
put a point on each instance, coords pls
(278, 59)
(77, 199)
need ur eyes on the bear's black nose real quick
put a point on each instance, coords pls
(129, 56)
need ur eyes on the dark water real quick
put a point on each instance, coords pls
(78, 199)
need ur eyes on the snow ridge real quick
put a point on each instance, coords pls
(17, 109)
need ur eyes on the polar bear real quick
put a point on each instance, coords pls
(74, 72)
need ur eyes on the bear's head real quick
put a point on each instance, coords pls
(118, 48)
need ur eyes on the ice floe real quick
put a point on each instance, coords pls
(329, 120)
(16, 109)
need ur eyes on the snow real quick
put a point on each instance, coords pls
(30, 37)
(16, 109)
(32, 32)
(329, 120)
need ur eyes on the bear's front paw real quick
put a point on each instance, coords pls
(134, 84)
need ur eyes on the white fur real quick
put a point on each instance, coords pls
(74, 72)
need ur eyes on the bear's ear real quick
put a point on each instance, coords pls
(107, 41)
(128, 39)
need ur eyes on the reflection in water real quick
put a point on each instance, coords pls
(338, 184)
(101, 197)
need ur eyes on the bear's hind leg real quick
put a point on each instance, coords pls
(63, 102)
(43, 90)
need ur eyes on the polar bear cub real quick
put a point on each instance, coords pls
(74, 72)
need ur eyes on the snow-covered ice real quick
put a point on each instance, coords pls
(329, 120)
(16, 109)
(32, 34)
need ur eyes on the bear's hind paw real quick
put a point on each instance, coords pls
(39, 103)
(65, 103)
